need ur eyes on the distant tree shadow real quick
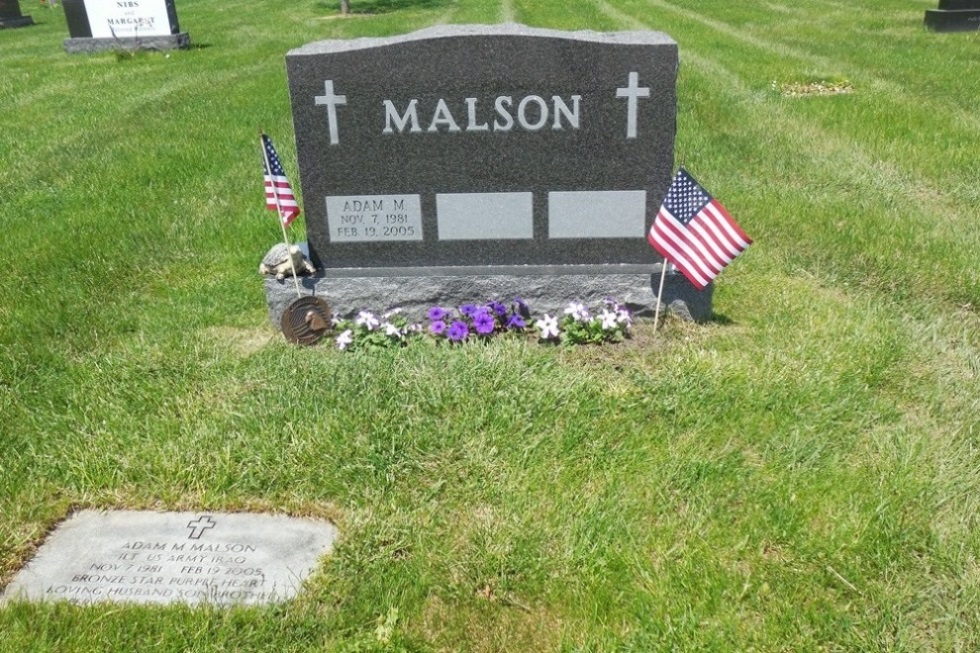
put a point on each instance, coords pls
(380, 6)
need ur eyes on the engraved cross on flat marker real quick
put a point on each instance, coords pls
(332, 101)
(201, 525)
(632, 93)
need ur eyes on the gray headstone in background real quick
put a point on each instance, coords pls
(96, 25)
(492, 152)
(10, 15)
(174, 557)
(954, 16)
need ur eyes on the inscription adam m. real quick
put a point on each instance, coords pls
(368, 204)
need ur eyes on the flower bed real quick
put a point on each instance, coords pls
(455, 326)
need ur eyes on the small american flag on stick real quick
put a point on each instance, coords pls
(278, 193)
(693, 231)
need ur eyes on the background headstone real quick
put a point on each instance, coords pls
(174, 557)
(10, 15)
(464, 163)
(96, 25)
(954, 16)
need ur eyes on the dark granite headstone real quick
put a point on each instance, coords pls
(954, 16)
(10, 15)
(96, 25)
(462, 163)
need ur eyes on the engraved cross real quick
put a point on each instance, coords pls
(198, 527)
(332, 101)
(632, 93)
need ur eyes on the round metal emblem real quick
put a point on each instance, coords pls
(306, 320)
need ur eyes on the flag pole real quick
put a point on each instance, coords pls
(275, 195)
(660, 294)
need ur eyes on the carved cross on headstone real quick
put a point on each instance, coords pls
(199, 526)
(332, 101)
(632, 93)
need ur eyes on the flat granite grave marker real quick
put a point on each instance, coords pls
(96, 25)
(471, 162)
(10, 15)
(174, 557)
(954, 16)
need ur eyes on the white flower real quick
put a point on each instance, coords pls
(344, 339)
(367, 319)
(548, 326)
(391, 330)
(334, 322)
(578, 311)
(609, 320)
(394, 311)
(623, 317)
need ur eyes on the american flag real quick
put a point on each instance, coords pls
(693, 231)
(276, 184)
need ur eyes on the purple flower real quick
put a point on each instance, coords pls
(484, 323)
(469, 310)
(522, 308)
(516, 322)
(498, 309)
(437, 313)
(437, 328)
(458, 331)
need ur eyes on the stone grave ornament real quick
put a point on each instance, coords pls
(10, 15)
(95, 25)
(284, 260)
(954, 16)
(174, 557)
(463, 163)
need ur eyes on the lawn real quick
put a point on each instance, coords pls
(800, 474)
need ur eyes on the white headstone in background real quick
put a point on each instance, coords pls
(128, 18)
(174, 557)
(97, 25)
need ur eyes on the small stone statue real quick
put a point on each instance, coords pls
(277, 259)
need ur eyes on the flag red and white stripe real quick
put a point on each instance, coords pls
(278, 193)
(693, 231)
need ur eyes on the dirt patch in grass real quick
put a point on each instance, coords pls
(489, 624)
(644, 342)
(812, 88)
(243, 342)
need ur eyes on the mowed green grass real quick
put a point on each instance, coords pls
(801, 474)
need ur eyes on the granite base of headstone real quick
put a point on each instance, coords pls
(129, 556)
(546, 289)
(170, 42)
(128, 25)
(954, 16)
(10, 15)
